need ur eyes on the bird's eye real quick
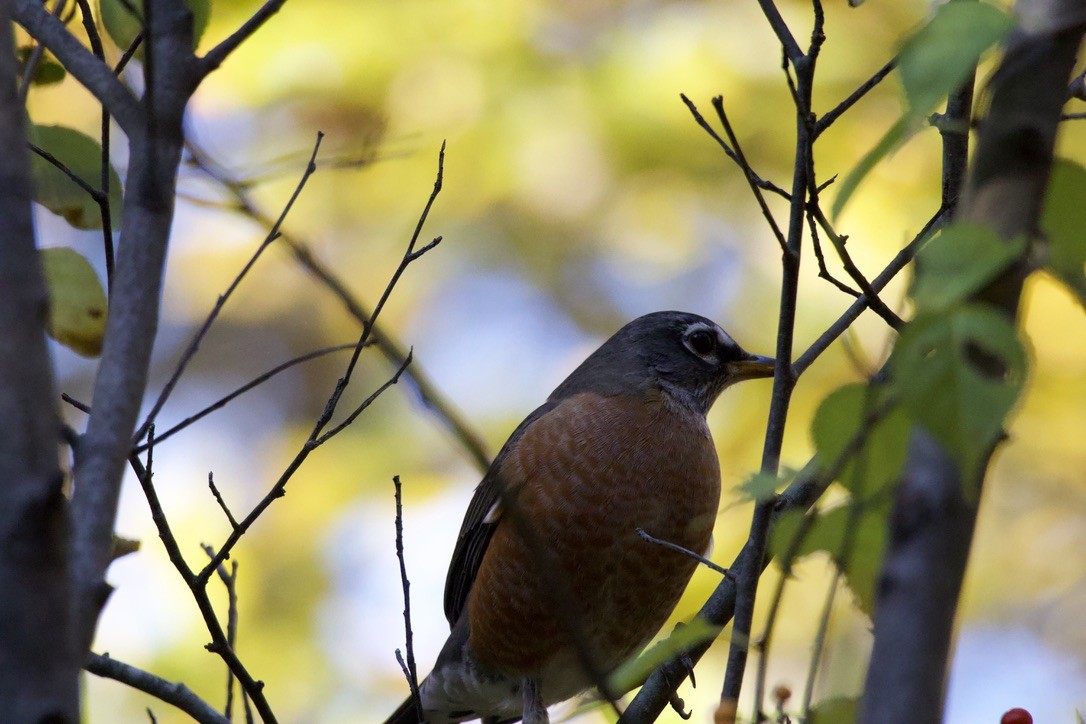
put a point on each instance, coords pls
(702, 342)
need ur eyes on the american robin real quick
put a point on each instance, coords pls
(550, 585)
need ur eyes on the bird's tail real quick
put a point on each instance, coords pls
(407, 713)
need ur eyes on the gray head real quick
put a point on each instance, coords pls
(686, 355)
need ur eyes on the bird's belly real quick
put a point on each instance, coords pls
(568, 576)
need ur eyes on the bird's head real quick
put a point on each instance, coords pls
(687, 356)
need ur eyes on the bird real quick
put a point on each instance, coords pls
(551, 585)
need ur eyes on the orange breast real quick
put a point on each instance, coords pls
(584, 477)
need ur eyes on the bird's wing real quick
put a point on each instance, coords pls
(479, 524)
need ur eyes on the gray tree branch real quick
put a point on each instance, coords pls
(95, 75)
(38, 664)
(932, 525)
(155, 153)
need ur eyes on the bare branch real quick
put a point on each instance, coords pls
(219, 53)
(316, 439)
(832, 115)
(899, 262)
(194, 345)
(430, 396)
(222, 503)
(409, 669)
(95, 75)
(170, 692)
(685, 551)
(784, 35)
(256, 382)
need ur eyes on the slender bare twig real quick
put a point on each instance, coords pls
(255, 382)
(220, 643)
(316, 438)
(823, 272)
(218, 499)
(873, 301)
(219, 53)
(410, 670)
(685, 551)
(730, 153)
(763, 643)
(107, 218)
(229, 582)
(194, 344)
(819, 643)
(174, 693)
(430, 396)
(748, 173)
(80, 62)
(96, 195)
(833, 114)
(788, 43)
(899, 262)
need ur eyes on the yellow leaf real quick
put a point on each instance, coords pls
(77, 302)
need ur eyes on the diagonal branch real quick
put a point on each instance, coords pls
(219, 53)
(194, 344)
(95, 75)
(428, 393)
(174, 693)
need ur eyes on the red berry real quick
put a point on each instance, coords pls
(1016, 716)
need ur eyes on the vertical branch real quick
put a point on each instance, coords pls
(932, 523)
(784, 379)
(38, 662)
(409, 669)
(133, 319)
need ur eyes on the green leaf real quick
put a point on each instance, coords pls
(1063, 221)
(932, 63)
(77, 302)
(123, 20)
(838, 423)
(855, 539)
(835, 711)
(962, 259)
(633, 672)
(53, 189)
(763, 486)
(958, 374)
(898, 133)
(48, 70)
(938, 57)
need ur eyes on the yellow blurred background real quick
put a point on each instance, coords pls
(578, 194)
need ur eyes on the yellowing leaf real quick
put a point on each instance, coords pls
(77, 302)
(56, 191)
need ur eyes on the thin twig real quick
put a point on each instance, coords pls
(257, 381)
(819, 643)
(833, 114)
(873, 301)
(218, 499)
(899, 262)
(429, 395)
(220, 643)
(780, 28)
(174, 693)
(96, 195)
(219, 53)
(410, 670)
(194, 344)
(229, 582)
(775, 600)
(107, 218)
(685, 551)
(823, 272)
(316, 439)
(748, 173)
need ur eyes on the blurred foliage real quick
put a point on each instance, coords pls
(578, 194)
